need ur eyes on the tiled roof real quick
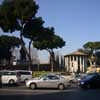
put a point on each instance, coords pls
(77, 53)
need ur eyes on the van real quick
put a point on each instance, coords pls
(9, 77)
(24, 75)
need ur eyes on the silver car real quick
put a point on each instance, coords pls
(47, 81)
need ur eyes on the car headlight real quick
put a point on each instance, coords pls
(79, 79)
(82, 83)
(27, 83)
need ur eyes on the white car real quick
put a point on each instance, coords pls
(24, 75)
(9, 77)
(69, 78)
(47, 81)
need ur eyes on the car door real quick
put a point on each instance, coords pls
(52, 81)
(43, 82)
(5, 77)
(98, 81)
(95, 82)
(49, 81)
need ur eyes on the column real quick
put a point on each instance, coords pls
(83, 64)
(73, 65)
(80, 64)
(70, 70)
(76, 65)
(66, 62)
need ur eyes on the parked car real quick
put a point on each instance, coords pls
(90, 81)
(78, 77)
(47, 81)
(24, 75)
(72, 78)
(9, 77)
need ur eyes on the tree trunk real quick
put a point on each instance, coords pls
(30, 61)
(90, 62)
(52, 60)
(23, 45)
(24, 48)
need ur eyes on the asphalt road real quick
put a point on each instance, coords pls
(22, 93)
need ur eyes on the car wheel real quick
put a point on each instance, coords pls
(11, 82)
(33, 86)
(61, 86)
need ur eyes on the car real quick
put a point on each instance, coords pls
(72, 78)
(47, 81)
(24, 75)
(90, 81)
(78, 77)
(9, 77)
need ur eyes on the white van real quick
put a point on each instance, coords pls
(9, 77)
(24, 75)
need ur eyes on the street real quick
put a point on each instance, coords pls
(23, 93)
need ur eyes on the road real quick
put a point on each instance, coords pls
(22, 93)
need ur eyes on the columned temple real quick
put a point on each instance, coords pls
(76, 62)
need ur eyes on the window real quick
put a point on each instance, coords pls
(9, 73)
(25, 73)
(51, 77)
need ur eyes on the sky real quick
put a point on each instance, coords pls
(76, 21)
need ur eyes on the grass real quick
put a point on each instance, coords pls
(39, 73)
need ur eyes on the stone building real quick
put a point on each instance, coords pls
(76, 62)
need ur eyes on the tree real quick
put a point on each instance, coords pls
(6, 45)
(14, 14)
(20, 15)
(32, 30)
(50, 44)
(91, 48)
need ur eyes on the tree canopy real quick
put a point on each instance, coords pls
(33, 28)
(54, 43)
(15, 13)
(6, 45)
(91, 48)
(9, 41)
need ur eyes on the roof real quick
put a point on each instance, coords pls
(77, 53)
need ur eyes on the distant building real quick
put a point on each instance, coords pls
(76, 62)
(17, 57)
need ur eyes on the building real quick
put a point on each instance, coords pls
(76, 62)
(16, 59)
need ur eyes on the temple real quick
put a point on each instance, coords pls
(76, 62)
